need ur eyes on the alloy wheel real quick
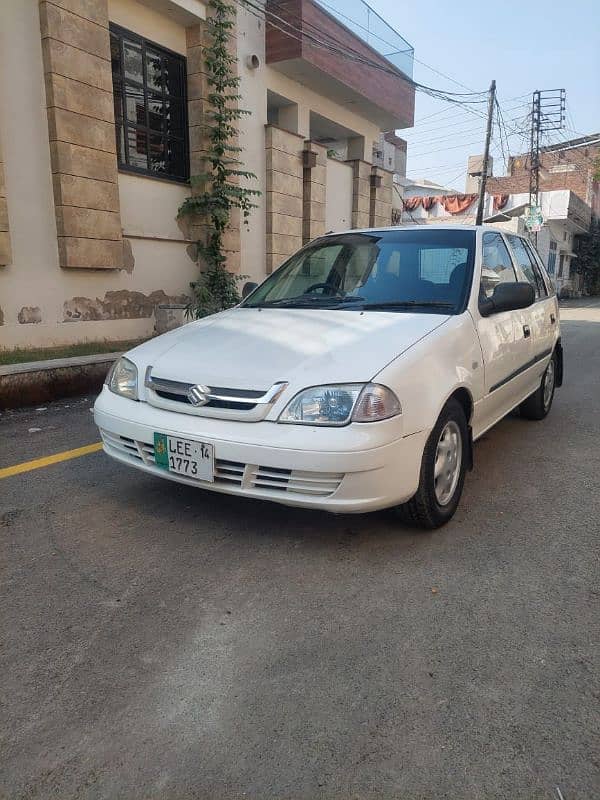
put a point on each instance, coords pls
(548, 383)
(448, 462)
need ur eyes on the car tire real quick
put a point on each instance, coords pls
(446, 452)
(539, 403)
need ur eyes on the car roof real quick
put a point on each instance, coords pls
(389, 228)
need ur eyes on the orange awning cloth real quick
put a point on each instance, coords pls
(451, 203)
(457, 203)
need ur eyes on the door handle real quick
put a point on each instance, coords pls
(526, 331)
(552, 319)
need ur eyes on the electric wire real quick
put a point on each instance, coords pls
(303, 34)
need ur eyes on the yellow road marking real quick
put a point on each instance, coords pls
(38, 463)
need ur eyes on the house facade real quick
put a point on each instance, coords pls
(565, 215)
(570, 165)
(103, 122)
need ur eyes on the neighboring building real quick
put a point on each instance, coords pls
(407, 188)
(102, 111)
(568, 165)
(474, 172)
(443, 207)
(565, 217)
(390, 153)
(422, 188)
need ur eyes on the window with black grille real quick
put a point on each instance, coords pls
(149, 89)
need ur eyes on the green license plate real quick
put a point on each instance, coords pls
(184, 457)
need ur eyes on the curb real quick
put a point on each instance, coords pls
(43, 381)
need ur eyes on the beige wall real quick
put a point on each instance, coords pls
(148, 22)
(338, 204)
(254, 86)
(251, 39)
(309, 100)
(41, 303)
(33, 286)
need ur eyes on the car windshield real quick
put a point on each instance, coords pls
(399, 270)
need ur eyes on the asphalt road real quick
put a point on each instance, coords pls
(162, 642)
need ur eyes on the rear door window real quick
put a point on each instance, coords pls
(525, 266)
(496, 266)
(539, 269)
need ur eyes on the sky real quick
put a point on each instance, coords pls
(523, 45)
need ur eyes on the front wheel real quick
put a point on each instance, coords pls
(443, 471)
(539, 403)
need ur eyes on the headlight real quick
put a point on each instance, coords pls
(376, 402)
(122, 378)
(340, 404)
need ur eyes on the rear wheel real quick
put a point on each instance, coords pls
(443, 470)
(539, 403)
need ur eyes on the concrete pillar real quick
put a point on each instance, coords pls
(81, 126)
(288, 118)
(284, 194)
(361, 193)
(5, 248)
(357, 149)
(304, 120)
(198, 110)
(314, 191)
(380, 206)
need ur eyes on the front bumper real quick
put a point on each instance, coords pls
(330, 469)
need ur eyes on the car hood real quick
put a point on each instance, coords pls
(248, 348)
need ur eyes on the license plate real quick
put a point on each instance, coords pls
(184, 457)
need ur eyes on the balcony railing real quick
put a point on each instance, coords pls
(366, 23)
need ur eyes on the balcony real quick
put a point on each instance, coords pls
(381, 93)
(361, 19)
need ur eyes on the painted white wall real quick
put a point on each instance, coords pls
(338, 196)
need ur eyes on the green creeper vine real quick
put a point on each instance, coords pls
(217, 191)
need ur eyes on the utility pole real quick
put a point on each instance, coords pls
(547, 114)
(486, 154)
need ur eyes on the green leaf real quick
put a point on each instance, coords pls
(216, 288)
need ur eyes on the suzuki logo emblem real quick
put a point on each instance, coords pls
(198, 395)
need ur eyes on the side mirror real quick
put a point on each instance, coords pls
(249, 287)
(508, 297)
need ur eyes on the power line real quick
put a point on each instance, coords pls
(303, 34)
(423, 135)
(443, 149)
(304, 24)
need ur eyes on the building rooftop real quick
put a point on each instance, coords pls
(569, 144)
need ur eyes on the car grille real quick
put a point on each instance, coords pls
(254, 477)
(243, 404)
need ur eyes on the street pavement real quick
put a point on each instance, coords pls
(163, 642)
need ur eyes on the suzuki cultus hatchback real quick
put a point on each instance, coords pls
(354, 378)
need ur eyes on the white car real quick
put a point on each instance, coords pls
(354, 378)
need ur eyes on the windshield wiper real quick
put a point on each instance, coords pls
(306, 301)
(408, 304)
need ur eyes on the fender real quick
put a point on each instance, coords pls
(558, 350)
(470, 459)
